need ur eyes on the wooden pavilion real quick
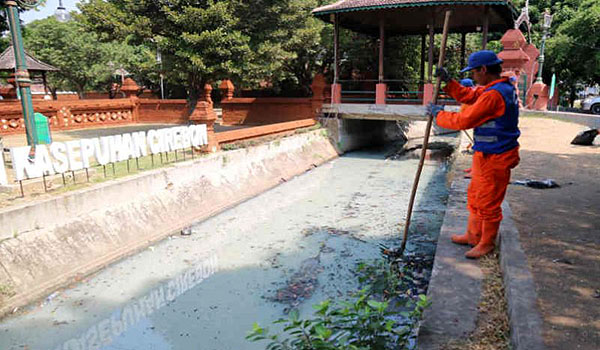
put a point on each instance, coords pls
(37, 69)
(381, 18)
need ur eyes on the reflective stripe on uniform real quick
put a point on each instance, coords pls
(490, 124)
(486, 138)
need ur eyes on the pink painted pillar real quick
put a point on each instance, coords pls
(336, 93)
(427, 93)
(380, 93)
(381, 87)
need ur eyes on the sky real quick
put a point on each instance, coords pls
(47, 10)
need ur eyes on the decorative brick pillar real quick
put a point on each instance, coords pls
(538, 96)
(515, 59)
(130, 87)
(9, 92)
(204, 114)
(135, 109)
(532, 66)
(227, 88)
(318, 88)
(206, 96)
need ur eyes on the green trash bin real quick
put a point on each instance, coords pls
(42, 128)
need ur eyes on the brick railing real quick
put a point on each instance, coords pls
(64, 115)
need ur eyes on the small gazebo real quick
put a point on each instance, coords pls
(35, 67)
(381, 18)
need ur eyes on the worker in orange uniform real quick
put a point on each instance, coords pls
(494, 114)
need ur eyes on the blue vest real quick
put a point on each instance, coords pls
(500, 134)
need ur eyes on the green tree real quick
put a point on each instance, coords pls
(573, 47)
(199, 41)
(85, 63)
(574, 50)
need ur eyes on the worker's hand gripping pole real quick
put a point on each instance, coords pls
(438, 83)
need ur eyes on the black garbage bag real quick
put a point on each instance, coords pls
(539, 184)
(585, 138)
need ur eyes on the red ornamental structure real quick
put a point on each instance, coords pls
(383, 19)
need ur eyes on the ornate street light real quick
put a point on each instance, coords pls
(546, 26)
(21, 74)
(61, 14)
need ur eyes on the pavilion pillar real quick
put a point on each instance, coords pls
(381, 88)
(422, 59)
(486, 24)
(428, 87)
(431, 43)
(336, 87)
(463, 48)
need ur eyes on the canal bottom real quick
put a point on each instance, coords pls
(289, 248)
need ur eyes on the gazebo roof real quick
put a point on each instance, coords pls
(7, 62)
(412, 16)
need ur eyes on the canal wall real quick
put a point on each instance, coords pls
(49, 243)
(352, 134)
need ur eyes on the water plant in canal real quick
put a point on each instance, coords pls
(368, 321)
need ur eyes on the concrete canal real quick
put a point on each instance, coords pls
(291, 247)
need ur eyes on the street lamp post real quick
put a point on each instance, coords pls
(162, 79)
(21, 74)
(546, 26)
(61, 14)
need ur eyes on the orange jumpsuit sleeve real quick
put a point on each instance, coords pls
(487, 105)
(463, 94)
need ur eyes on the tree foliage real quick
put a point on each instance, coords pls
(573, 47)
(199, 41)
(85, 63)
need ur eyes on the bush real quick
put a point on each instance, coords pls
(362, 323)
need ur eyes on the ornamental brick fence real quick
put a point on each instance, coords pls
(270, 110)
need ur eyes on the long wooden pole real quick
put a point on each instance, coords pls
(438, 83)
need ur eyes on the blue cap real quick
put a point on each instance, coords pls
(467, 82)
(482, 58)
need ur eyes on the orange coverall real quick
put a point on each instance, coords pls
(490, 172)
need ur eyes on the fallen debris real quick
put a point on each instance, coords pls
(435, 151)
(539, 184)
(585, 138)
(301, 285)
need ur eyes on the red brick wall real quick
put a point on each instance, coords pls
(163, 111)
(260, 111)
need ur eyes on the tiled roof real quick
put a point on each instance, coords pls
(358, 5)
(7, 62)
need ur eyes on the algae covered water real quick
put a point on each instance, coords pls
(291, 247)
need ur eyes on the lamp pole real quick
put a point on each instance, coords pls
(21, 74)
(546, 26)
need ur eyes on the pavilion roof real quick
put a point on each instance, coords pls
(412, 16)
(8, 63)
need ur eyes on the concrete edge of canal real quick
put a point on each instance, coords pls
(48, 244)
(456, 283)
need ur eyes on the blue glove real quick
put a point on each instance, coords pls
(433, 110)
(443, 74)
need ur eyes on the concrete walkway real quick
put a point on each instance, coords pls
(456, 282)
